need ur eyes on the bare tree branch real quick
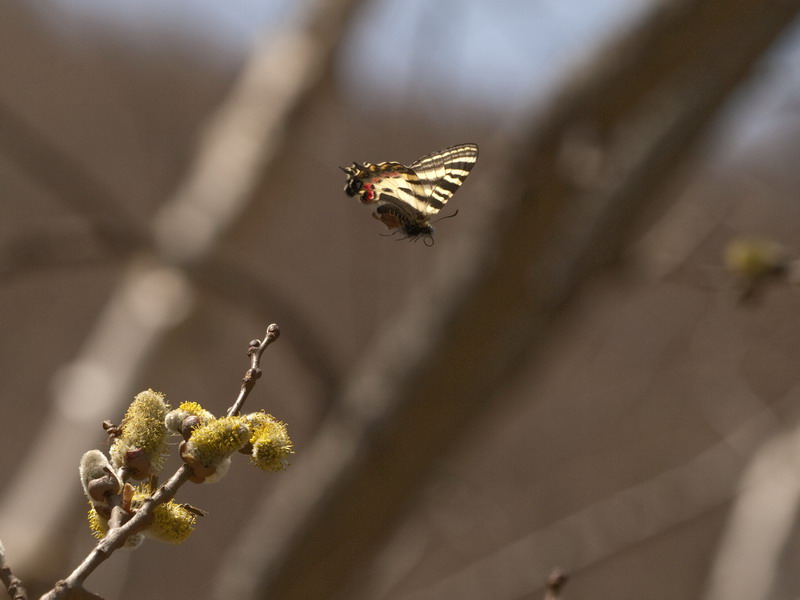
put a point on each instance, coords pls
(153, 295)
(121, 530)
(65, 246)
(607, 527)
(68, 181)
(116, 537)
(606, 149)
(253, 374)
(226, 277)
(11, 582)
(71, 245)
(555, 583)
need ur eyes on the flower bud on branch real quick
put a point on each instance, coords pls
(140, 448)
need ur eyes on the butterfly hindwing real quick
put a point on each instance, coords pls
(406, 197)
(398, 184)
(443, 172)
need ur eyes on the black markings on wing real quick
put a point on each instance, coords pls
(440, 174)
(400, 186)
(405, 198)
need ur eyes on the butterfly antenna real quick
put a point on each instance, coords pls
(447, 217)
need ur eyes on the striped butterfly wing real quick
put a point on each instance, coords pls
(406, 197)
(396, 184)
(439, 175)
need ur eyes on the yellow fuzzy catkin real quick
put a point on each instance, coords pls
(143, 435)
(270, 440)
(209, 448)
(172, 522)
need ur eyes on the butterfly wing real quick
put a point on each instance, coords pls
(392, 190)
(406, 197)
(440, 174)
(396, 183)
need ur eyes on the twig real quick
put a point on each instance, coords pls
(282, 74)
(116, 537)
(555, 583)
(12, 582)
(226, 276)
(252, 375)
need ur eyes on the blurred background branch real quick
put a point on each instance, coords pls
(639, 109)
(749, 561)
(467, 415)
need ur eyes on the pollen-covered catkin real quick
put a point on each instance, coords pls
(209, 448)
(141, 444)
(270, 442)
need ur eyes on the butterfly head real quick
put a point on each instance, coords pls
(355, 179)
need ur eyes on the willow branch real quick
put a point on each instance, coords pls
(154, 294)
(226, 277)
(118, 534)
(253, 374)
(555, 583)
(12, 583)
(116, 537)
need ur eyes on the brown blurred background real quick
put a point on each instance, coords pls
(565, 379)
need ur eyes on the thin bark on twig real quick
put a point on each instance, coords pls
(228, 279)
(153, 294)
(116, 537)
(555, 584)
(253, 374)
(11, 582)
(119, 534)
(605, 151)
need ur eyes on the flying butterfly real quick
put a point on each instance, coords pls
(405, 198)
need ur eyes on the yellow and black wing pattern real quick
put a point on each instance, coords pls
(405, 198)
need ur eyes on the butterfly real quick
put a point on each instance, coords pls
(405, 198)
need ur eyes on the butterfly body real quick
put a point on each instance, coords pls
(405, 198)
